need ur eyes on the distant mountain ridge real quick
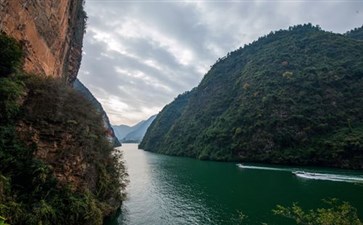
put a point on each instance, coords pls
(121, 130)
(133, 134)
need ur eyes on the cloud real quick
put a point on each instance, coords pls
(139, 55)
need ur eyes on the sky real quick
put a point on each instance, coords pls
(139, 55)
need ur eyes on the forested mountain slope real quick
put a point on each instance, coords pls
(83, 90)
(292, 97)
(356, 33)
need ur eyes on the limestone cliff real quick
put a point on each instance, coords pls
(51, 33)
(56, 164)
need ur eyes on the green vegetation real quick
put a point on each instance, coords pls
(2, 221)
(292, 97)
(338, 213)
(57, 166)
(356, 33)
(10, 57)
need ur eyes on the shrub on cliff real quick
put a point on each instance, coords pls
(10, 56)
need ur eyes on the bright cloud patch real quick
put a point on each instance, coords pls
(138, 56)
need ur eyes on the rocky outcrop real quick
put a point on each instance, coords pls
(51, 33)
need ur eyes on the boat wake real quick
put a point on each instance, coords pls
(309, 174)
(330, 177)
(261, 168)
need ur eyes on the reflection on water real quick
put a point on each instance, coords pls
(175, 190)
(163, 192)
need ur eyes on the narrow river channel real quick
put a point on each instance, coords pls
(175, 190)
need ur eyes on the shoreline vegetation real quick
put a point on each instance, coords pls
(335, 213)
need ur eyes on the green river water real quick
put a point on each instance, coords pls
(176, 190)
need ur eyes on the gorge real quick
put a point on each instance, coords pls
(277, 121)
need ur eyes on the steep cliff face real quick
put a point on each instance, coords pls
(51, 33)
(56, 164)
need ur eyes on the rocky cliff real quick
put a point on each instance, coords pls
(57, 165)
(51, 33)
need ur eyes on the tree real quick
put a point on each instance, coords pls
(10, 56)
(338, 213)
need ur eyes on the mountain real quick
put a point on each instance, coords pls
(292, 97)
(138, 131)
(57, 165)
(77, 85)
(121, 131)
(134, 134)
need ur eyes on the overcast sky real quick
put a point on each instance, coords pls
(139, 55)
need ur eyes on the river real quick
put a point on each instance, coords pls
(177, 190)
